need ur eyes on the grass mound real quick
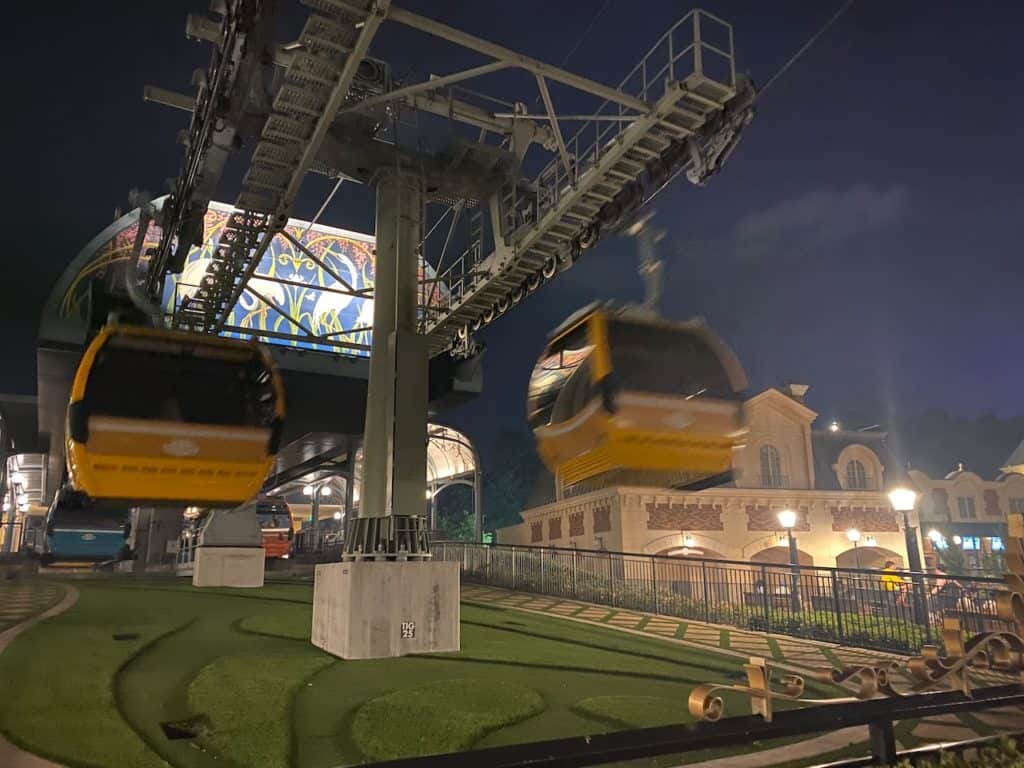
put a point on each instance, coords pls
(287, 621)
(444, 716)
(248, 699)
(632, 711)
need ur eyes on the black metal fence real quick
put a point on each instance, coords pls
(619, 747)
(888, 610)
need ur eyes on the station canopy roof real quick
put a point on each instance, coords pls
(25, 481)
(450, 455)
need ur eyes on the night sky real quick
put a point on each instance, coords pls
(864, 239)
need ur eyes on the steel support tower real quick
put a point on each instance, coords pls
(522, 194)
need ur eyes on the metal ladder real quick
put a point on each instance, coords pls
(333, 33)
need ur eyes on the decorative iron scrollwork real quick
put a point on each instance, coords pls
(933, 669)
(871, 680)
(996, 651)
(706, 705)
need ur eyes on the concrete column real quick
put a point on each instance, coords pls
(152, 529)
(314, 516)
(11, 515)
(432, 523)
(394, 441)
(478, 508)
(9, 531)
(350, 478)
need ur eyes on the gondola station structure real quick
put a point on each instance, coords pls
(525, 194)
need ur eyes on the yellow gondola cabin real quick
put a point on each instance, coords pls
(172, 417)
(622, 395)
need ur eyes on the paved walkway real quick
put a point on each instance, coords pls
(20, 599)
(787, 653)
(28, 602)
(785, 650)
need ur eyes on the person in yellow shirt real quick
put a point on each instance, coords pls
(891, 581)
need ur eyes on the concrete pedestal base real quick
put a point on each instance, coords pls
(228, 567)
(371, 609)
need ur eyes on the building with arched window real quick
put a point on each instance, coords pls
(836, 480)
(771, 467)
(856, 477)
(964, 511)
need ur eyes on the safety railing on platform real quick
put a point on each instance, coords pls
(698, 49)
(321, 544)
(888, 610)
(185, 554)
(438, 295)
(620, 747)
(683, 51)
(13, 538)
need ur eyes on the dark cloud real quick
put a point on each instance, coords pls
(827, 214)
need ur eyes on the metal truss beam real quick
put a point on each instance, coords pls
(432, 84)
(500, 53)
(330, 459)
(549, 105)
(168, 98)
(426, 101)
(470, 114)
(587, 118)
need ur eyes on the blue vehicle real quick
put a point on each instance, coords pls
(78, 530)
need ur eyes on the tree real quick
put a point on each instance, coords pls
(951, 559)
(455, 513)
(509, 481)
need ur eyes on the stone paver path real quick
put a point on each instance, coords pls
(790, 651)
(20, 600)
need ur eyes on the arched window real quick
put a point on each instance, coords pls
(771, 468)
(856, 477)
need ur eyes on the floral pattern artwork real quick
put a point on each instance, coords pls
(345, 317)
(348, 255)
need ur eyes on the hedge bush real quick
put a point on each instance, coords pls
(1005, 754)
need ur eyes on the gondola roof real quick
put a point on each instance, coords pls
(641, 315)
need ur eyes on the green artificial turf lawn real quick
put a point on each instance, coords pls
(57, 698)
(226, 689)
(629, 711)
(443, 716)
(241, 661)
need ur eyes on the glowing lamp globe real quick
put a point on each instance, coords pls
(902, 499)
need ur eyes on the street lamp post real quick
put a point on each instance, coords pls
(903, 500)
(787, 519)
(854, 536)
(315, 492)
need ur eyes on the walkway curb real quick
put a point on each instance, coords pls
(798, 750)
(11, 755)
